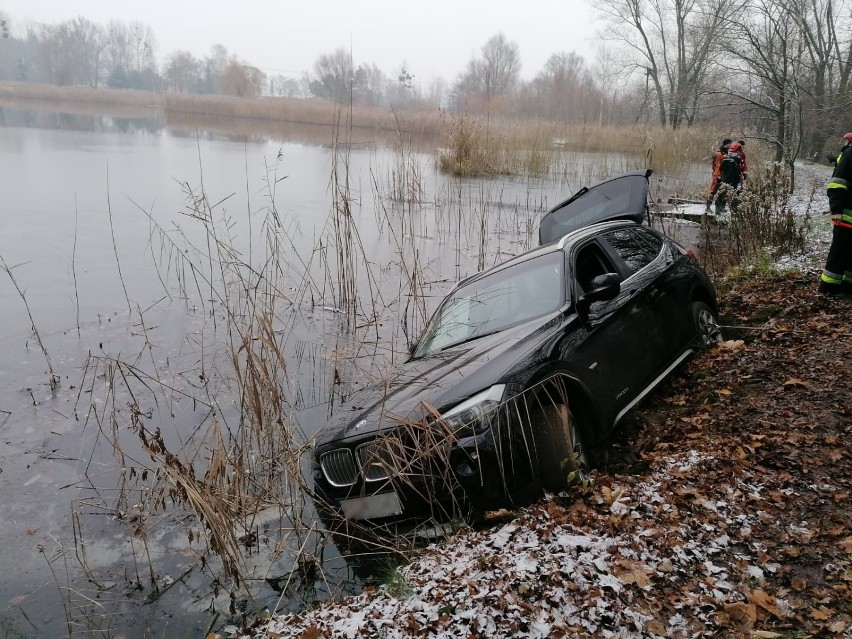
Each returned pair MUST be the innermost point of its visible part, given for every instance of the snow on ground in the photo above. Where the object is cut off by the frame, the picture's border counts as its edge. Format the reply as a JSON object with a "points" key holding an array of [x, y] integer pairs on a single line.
{"points": [[539, 576], [650, 556]]}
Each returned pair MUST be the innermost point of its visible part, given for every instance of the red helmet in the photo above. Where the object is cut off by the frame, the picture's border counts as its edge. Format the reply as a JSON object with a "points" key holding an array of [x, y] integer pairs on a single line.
{"points": [[736, 146], [848, 137]]}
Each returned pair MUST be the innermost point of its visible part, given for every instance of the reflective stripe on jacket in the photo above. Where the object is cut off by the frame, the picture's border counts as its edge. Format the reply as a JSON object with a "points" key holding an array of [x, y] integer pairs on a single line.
{"points": [[839, 195]]}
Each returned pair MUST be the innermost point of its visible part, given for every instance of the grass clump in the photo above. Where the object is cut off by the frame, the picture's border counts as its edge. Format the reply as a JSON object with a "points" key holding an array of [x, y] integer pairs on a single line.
{"points": [[467, 151], [396, 584]]}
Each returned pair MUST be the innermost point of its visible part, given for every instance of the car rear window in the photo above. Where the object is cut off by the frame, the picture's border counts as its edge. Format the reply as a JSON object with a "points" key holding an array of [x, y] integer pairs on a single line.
{"points": [[638, 247]]}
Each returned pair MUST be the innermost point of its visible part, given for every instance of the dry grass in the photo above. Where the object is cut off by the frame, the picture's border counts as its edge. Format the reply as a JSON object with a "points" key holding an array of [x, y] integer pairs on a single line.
{"points": [[762, 223], [476, 146], [258, 116]]}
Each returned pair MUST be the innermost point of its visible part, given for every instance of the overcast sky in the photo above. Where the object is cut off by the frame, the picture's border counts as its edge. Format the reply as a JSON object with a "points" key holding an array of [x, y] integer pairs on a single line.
{"points": [[435, 37]]}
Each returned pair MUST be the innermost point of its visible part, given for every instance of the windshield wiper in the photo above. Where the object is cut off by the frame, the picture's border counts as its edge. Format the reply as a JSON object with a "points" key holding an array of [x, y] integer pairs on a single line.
{"points": [[468, 339]]}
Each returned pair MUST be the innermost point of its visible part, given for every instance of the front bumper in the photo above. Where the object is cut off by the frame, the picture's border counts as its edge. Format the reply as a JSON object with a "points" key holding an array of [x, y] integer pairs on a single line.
{"points": [[464, 479]]}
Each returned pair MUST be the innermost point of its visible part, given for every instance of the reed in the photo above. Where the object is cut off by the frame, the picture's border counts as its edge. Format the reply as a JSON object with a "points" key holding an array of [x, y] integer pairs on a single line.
{"points": [[53, 378], [475, 146]]}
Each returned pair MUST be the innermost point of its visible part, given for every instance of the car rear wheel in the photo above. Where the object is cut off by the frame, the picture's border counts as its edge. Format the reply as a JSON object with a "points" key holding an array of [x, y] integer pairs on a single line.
{"points": [[562, 460], [707, 326]]}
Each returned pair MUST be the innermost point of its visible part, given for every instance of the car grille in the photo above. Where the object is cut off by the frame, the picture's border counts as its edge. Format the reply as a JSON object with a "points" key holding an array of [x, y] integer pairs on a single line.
{"points": [[339, 468], [376, 457], [372, 459]]}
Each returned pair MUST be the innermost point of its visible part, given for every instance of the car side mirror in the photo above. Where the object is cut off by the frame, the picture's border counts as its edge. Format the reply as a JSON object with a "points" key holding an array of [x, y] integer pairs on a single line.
{"points": [[603, 287]]}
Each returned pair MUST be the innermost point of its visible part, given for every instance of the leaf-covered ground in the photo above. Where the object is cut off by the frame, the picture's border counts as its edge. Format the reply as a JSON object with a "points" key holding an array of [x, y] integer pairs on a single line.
{"points": [[723, 511]]}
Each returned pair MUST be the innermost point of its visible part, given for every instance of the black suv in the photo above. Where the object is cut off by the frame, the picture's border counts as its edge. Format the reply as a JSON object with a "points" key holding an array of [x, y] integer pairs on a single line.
{"points": [[523, 368]]}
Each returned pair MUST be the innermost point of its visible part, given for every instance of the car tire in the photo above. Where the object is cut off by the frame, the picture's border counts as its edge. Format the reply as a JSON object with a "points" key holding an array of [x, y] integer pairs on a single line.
{"points": [[707, 329], [562, 460]]}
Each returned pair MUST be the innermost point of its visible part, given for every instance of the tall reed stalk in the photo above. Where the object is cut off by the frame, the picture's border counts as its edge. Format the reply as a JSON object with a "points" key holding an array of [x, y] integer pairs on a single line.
{"points": [[53, 378]]}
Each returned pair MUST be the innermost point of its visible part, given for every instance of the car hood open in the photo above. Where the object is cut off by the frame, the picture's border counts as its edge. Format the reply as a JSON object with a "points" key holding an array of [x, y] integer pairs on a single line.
{"points": [[620, 198], [440, 380]]}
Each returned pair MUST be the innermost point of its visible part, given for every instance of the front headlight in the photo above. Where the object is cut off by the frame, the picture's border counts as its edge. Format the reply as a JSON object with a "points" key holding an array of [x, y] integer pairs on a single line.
{"points": [[474, 414]]}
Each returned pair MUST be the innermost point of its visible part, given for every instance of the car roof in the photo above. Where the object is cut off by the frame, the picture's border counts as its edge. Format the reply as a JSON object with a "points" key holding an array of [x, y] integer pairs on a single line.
{"points": [[621, 197]]}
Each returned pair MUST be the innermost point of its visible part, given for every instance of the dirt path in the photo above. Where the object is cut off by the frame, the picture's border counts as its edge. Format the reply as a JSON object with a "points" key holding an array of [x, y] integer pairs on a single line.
{"points": [[724, 509]]}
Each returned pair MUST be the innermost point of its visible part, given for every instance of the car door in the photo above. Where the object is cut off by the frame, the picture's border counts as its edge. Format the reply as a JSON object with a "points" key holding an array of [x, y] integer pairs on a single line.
{"points": [[650, 268], [611, 350]]}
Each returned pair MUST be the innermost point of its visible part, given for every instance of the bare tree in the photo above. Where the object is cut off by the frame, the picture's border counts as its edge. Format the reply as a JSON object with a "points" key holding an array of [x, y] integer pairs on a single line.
{"points": [[673, 44], [770, 75], [283, 87], [563, 90], [333, 76], [90, 43], [182, 72], [213, 68], [369, 85], [131, 53], [493, 73], [242, 80], [828, 59]]}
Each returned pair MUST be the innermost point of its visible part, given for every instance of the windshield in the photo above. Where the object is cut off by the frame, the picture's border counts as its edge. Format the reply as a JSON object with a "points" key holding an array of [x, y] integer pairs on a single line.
{"points": [[496, 302]]}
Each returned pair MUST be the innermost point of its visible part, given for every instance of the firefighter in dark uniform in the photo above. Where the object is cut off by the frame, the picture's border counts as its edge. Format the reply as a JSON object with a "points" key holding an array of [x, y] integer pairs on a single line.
{"points": [[837, 275]]}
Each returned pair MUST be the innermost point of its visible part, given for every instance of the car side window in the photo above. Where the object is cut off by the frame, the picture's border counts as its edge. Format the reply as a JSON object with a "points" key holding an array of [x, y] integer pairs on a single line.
{"points": [[654, 241], [633, 247], [591, 261]]}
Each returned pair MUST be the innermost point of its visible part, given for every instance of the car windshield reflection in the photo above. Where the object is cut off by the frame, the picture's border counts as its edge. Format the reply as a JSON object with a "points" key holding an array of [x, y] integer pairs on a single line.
{"points": [[494, 303]]}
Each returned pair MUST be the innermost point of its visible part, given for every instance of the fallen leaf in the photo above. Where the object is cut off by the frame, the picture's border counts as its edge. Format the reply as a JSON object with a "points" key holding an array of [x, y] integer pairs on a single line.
{"points": [[822, 613], [656, 628], [742, 613], [840, 625], [636, 576], [765, 601], [312, 632], [499, 515], [798, 584]]}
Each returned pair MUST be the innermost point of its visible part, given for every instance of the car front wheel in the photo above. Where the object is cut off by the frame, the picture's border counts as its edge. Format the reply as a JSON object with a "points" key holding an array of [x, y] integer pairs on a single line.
{"points": [[707, 326], [562, 460]]}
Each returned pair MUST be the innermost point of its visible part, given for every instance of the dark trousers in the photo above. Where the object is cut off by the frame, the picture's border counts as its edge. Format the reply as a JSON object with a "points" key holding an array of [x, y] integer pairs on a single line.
{"points": [[838, 265], [726, 193]]}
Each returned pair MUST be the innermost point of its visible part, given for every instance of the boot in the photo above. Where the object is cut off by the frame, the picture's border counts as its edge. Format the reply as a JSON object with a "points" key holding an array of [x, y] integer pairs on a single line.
{"points": [[830, 290]]}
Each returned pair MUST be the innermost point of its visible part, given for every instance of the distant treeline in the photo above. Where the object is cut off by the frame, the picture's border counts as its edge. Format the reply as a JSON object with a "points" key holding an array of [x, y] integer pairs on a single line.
{"points": [[774, 70]]}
